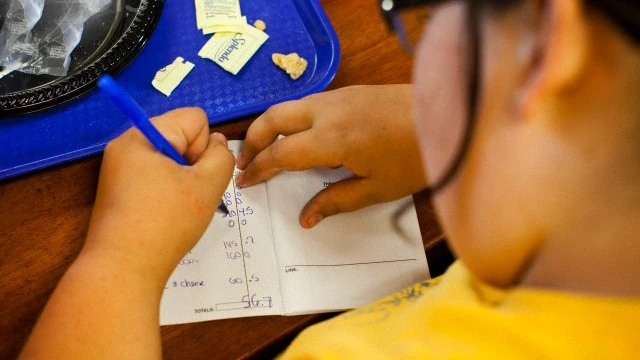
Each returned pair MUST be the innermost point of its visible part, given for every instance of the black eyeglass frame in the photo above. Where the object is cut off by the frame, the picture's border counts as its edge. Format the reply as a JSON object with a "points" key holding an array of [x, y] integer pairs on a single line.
{"points": [[389, 10]]}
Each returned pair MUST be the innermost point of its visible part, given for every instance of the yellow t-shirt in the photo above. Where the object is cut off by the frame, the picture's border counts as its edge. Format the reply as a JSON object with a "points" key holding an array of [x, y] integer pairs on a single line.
{"points": [[457, 317]]}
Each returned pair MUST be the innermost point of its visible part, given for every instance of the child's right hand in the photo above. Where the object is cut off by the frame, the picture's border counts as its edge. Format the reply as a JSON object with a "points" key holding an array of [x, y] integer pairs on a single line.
{"points": [[149, 210], [367, 129]]}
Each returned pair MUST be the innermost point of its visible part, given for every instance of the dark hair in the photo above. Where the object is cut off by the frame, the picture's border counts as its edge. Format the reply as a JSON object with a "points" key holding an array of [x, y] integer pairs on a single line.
{"points": [[623, 13]]}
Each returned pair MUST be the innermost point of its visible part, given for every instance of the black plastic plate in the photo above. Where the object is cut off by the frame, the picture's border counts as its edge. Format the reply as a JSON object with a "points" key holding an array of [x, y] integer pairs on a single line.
{"points": [[110, 40]]}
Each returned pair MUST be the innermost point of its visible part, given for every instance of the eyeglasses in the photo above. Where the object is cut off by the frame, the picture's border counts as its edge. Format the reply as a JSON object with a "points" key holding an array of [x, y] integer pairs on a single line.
{"points": [[407, 18]]}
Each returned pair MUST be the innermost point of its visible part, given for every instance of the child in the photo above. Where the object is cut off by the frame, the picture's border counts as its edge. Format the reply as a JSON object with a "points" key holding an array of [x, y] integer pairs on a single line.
{"points": [[538, 97]]}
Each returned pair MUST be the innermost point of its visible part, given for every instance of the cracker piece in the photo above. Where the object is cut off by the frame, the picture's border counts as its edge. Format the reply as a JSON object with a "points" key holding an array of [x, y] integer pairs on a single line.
{"points": [[293, 64]]}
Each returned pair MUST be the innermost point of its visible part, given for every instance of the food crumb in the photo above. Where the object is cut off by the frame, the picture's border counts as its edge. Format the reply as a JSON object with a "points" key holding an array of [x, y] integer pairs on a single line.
{"points": [[260, 25], [293, 64]]}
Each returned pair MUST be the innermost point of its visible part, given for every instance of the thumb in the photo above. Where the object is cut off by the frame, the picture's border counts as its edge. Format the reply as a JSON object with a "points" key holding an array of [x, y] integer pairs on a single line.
{"points": [[344, 196], [186, 129], [216, 163]]}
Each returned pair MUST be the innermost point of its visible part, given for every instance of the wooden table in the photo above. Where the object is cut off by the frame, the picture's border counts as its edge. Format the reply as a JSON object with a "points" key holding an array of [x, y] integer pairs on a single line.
{"points": [[44, 217]]}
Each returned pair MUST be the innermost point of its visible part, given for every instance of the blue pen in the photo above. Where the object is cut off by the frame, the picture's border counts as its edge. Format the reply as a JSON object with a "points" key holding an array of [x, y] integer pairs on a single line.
{"points": [[140, 120]]}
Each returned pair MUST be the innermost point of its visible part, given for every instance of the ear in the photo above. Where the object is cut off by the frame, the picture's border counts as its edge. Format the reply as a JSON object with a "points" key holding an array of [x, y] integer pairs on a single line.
{"points": [[558, 54]]}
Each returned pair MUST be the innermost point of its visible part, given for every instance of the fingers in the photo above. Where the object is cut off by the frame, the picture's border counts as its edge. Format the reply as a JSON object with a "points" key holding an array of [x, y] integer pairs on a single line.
{"points": [[215, 163], [283, 119], [294, 153], [186, 129], [344, 196]]}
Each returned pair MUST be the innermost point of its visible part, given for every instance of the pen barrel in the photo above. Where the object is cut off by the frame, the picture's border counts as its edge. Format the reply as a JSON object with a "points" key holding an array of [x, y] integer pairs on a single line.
{"points": [[139, 118]]}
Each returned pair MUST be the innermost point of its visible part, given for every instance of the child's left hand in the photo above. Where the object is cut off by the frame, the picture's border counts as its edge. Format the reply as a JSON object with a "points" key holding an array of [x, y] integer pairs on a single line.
{"points": [[150, 211]]}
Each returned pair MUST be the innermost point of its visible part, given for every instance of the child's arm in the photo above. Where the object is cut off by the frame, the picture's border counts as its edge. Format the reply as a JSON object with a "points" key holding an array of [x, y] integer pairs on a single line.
{"points": [[367, 129], [149, 212]]}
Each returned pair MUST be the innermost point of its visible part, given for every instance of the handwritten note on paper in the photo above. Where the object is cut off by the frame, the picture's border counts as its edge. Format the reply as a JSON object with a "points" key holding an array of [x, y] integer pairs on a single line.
{"points": [[259, 261], [231, 272]]}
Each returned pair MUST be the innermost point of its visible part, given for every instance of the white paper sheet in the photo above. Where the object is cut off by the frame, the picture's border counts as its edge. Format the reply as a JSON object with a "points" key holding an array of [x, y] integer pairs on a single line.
{"points": [[260, 261]]}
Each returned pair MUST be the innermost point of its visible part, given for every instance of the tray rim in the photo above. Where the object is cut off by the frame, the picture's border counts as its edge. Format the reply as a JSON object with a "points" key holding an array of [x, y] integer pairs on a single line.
{"points": [[318, 86]]}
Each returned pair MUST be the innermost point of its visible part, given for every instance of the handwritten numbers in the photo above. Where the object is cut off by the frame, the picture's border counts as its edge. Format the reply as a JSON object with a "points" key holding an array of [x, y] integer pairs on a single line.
{"points": [[230, 244], [232, 214], [227, 198], [239, 248], [234, 255], [245, 211], [256, 301]]}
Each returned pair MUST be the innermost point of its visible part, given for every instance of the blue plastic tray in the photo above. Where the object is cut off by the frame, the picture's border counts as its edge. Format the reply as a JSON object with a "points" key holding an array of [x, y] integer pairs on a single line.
{"points": [[83, 127]]}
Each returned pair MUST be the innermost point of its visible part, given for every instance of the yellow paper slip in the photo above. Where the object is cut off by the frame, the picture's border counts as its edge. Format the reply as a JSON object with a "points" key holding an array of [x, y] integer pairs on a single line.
{"points": [[233, 50], [235, 28], [169, 77], [217, 12]]}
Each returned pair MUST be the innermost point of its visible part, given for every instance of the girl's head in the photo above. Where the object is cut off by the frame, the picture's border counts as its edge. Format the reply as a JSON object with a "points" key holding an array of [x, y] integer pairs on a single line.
{"points": [[554, 152]]}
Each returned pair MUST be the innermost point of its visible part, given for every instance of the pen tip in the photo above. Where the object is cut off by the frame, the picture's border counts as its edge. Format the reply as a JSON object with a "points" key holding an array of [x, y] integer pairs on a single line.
{"points": [[223, 208]]}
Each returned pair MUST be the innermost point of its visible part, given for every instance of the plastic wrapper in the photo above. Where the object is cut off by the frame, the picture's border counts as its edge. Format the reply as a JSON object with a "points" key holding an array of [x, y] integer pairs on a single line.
{"points": [[38, 36]]}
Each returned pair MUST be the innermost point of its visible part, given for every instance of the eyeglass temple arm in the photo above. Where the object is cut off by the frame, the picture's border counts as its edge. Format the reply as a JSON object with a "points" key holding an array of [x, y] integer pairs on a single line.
{"points": [[389, 7]]}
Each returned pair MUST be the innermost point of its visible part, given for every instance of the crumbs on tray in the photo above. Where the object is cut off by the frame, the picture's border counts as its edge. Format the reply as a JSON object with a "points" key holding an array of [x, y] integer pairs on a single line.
{"points": [[293, 64], [260, 25], [235, 41], [169, 77]]}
